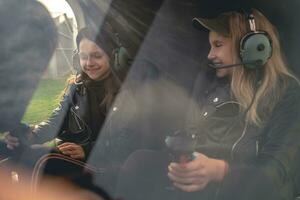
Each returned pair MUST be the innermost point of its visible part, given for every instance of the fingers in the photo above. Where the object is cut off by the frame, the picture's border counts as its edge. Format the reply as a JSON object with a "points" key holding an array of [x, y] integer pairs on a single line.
{"points": [[191, 176], [67, 146], [191, 187], [77, 156], [190, 181], [71, 149], [185, 179], [176, 170], [11, 142], [193, 165]]}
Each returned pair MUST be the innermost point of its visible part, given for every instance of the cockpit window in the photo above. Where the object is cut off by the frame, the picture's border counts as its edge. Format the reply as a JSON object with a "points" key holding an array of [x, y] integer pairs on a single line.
{"points": [[126, 99]]}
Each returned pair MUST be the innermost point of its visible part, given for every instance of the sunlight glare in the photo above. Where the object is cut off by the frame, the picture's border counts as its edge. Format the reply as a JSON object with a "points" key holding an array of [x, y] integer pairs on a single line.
{"points": [[58, 7]]}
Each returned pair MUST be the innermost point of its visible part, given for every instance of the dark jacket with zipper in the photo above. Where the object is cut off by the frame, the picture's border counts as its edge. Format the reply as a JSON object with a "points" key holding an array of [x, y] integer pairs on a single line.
{"points": [[263, 161], [78, 118]]}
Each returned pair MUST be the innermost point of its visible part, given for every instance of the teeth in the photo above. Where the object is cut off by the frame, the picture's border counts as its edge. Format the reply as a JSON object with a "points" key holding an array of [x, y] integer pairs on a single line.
{"points": [[217, 64]]}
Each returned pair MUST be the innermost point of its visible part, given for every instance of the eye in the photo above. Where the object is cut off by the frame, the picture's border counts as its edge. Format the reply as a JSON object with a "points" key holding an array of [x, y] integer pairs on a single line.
{"points": [[97, 56], [83, 56], [218, 44]]}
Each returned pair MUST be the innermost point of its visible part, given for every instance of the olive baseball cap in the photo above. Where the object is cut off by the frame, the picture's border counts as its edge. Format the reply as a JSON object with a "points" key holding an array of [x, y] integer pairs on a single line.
{"points": [[219, 24]]}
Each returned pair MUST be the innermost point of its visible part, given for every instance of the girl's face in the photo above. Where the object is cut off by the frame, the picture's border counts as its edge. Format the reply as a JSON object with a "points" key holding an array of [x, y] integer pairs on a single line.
{"points": [[221, 53], [93, 60]]}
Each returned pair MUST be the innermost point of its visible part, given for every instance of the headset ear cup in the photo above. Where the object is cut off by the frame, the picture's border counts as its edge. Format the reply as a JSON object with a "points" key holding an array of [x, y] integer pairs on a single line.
{"points": [[76, 61], [122, 59], [256, 49]]}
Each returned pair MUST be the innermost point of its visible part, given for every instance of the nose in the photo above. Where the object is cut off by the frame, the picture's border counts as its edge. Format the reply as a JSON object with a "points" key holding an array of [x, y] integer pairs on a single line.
{"points": [[90, 60], [211, 54]]}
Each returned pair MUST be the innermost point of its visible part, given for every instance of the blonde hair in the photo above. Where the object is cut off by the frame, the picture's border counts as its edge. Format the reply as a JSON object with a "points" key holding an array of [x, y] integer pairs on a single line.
{"points": [[258, 102]]}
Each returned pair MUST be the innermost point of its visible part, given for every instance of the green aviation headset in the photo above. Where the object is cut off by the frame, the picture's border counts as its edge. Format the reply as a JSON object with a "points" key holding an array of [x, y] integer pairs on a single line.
{"points": [[120, 55], [255, 46]]}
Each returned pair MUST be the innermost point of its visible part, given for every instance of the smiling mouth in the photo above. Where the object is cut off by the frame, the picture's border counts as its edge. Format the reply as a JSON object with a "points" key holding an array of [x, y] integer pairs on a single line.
{"points": [[93, 69], [217, 63], [214, 64]]}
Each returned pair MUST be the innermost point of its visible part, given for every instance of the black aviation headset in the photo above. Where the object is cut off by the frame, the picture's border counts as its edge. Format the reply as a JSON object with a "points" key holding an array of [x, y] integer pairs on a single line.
{"points": [[120, 58]]}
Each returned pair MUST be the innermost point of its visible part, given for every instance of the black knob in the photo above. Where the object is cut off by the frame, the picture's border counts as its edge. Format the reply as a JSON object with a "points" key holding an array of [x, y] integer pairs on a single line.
{"points": [[260, 47]]}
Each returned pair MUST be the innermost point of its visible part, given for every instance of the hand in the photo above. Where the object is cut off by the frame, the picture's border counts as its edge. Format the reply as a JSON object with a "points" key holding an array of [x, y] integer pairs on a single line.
{"points": [[196, 174], [11, 141], [71, 149]]}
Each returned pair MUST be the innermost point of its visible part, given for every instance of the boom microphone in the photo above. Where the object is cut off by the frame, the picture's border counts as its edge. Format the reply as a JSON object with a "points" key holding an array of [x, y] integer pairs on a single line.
{"points": [[257, 63]]}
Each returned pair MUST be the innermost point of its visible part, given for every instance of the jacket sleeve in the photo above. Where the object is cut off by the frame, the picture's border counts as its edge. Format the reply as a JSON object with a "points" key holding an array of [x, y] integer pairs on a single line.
{"points": [[87, 148], [50, 128], [272, 175]]}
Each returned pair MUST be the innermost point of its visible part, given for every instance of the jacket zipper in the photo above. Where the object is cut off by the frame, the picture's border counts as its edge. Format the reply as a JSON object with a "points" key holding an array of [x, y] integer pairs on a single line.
{"points": [[76, 118], [77, 122], [239, 139]]}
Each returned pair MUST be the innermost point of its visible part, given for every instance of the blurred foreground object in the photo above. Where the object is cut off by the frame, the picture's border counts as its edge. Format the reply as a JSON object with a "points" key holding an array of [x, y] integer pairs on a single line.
{"points": [[49, 189], [28, 40]]}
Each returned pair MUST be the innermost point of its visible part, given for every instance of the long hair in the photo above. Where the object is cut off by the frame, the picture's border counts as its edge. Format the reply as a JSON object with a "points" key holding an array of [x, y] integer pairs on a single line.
{"points": [[259, 99], [104, 39]]}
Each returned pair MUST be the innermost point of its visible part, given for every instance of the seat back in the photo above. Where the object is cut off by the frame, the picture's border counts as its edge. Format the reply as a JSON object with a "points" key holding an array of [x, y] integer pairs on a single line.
{"points": [[59, 165]]}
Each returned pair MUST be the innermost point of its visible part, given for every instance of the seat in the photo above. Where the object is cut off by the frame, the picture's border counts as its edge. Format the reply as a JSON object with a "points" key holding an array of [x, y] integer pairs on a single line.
{"points": [[62, 166]]}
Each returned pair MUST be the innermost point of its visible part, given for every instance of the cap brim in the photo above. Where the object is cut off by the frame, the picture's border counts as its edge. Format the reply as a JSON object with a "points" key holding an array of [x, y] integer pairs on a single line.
{"points": [[199, 23], [219, 24]]}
